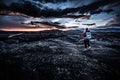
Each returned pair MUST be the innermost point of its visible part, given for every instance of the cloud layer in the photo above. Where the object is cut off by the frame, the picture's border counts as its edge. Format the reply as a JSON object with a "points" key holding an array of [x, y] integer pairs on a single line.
{"points": [[58, 8]]}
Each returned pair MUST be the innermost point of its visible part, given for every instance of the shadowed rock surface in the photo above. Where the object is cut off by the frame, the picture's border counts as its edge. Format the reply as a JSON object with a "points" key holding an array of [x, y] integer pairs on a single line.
{"points": [[57, 55]]}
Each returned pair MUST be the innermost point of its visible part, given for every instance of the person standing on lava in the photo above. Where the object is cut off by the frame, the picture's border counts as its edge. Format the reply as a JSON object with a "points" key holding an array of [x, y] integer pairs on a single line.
{"points": [[86, 36]]}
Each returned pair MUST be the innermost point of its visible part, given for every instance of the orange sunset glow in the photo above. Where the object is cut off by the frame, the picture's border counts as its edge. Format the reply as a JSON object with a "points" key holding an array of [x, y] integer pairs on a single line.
{"points": [[32, 29]]}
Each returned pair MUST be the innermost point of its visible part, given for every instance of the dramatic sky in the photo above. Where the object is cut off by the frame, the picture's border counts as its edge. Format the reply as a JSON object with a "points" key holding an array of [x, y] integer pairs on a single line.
{"points": [[60, 7], [66, 12]]}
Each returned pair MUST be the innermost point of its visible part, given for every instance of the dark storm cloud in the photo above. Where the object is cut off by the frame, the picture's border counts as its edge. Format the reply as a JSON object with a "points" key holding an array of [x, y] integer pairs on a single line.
{"points": [[96, 5], [8, 2], [54, 3], [10, 21], [114, 21], [94, 8], [56, 8]]}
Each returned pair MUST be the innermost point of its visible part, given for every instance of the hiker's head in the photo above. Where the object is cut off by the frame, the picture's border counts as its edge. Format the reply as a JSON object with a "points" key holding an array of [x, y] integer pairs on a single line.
{"points": [[86, 29]]}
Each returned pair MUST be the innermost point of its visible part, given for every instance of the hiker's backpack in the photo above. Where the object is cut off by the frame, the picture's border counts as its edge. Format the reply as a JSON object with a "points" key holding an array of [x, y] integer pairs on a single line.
{"points": [[88, 35]]}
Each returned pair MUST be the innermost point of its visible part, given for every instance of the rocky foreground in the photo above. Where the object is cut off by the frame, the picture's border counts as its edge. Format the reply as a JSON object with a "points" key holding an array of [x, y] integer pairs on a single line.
{"points": [[57, 55]]}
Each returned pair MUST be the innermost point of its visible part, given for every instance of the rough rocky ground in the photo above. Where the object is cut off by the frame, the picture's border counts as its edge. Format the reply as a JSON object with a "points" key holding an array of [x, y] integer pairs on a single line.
{"points": [[57, 55]]}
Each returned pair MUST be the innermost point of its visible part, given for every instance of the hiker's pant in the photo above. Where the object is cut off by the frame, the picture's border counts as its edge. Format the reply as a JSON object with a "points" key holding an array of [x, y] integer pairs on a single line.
{"points": [[87, 43]]}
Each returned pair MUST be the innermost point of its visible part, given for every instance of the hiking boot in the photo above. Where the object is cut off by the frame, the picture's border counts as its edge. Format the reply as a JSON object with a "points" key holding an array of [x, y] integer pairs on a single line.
{"points": [[89, 47], [85, 49]]}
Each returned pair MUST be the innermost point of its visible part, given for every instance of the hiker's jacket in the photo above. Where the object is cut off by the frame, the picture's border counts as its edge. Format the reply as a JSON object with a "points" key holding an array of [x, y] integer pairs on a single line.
{"points": [[84, 34]]}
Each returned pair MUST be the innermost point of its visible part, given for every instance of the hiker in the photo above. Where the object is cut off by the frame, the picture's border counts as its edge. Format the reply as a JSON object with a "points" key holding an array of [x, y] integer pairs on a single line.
{"points": [[86, 36]]}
